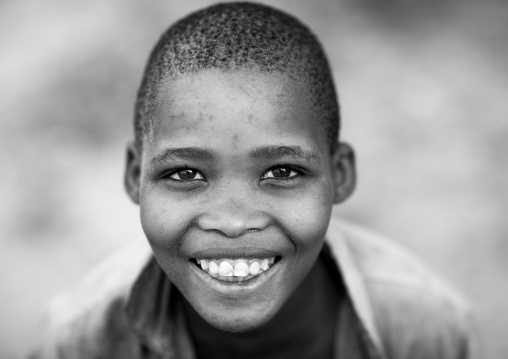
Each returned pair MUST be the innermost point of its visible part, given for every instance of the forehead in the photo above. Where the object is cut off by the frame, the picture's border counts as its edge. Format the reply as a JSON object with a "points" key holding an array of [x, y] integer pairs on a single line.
{"points": [[241, 104]]}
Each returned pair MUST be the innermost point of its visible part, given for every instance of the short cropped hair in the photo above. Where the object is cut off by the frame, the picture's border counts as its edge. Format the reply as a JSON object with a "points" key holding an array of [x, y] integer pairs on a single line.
{"points": [[234, 36]]}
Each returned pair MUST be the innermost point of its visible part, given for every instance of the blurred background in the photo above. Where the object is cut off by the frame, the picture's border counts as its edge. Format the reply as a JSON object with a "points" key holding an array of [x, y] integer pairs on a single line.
{"points": [[424, 93]]}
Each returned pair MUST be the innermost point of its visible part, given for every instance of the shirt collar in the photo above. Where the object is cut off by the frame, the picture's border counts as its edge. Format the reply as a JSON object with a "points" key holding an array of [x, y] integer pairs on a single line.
{"points": [[157, 319], [355, 284], [155, 316]]}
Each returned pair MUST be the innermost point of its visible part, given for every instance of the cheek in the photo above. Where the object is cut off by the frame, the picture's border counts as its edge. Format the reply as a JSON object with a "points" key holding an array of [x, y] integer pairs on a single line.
{"points": [[306, 217], [163, 221]]}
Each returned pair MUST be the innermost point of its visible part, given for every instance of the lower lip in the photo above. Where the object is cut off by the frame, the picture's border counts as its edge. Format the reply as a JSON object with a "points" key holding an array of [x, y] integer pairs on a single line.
{"points": [[240, 285]]}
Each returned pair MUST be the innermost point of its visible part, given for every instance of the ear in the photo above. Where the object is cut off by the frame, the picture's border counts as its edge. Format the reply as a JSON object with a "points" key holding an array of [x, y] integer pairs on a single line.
{"points": [[132, 175], [344, 172]]}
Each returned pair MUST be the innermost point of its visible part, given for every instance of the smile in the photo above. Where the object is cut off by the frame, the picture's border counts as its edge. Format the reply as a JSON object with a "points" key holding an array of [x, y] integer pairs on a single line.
{"points": [[235, 270]]}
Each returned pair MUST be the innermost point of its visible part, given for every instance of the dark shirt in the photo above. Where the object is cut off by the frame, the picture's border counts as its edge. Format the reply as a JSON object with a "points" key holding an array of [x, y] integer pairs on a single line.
{"points": [[394, 307]]}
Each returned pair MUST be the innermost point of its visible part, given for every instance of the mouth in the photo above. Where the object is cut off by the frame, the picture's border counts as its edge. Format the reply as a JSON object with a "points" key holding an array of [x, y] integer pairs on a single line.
{"points": [[235, 270]]}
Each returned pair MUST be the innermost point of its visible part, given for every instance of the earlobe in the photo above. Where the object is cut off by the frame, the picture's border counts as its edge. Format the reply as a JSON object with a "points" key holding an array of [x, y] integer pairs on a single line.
{"points": [[343, 162], [132, 175]]}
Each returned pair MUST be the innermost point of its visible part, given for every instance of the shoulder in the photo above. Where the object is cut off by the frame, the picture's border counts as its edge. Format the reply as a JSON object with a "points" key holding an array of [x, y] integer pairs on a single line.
{"points": [[416, 312], [83, 322]]}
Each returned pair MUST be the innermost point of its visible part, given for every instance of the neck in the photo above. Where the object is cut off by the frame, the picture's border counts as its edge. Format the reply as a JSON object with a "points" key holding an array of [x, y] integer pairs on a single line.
{"points": [[305, 324]]}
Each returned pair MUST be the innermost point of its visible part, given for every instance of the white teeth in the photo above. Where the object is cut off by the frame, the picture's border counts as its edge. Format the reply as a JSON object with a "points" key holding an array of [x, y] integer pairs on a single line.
{"points": [[264, 264], [225, 269], [213, 267], [254, 268], [241, 270], [237, 268], [204, 264]]}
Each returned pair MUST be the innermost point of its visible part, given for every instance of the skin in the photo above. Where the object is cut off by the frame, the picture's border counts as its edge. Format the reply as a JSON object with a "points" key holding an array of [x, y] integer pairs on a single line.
{"points": [[303, 328], [234, 134]]}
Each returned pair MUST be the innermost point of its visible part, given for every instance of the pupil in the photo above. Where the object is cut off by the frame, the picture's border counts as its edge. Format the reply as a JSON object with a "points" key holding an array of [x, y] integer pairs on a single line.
{"points": [[187, 174], [281, 172]]}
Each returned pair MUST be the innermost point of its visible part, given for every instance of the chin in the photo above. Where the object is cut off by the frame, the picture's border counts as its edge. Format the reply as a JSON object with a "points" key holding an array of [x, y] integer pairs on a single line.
{"points": [[240, 324], [240, 320]]}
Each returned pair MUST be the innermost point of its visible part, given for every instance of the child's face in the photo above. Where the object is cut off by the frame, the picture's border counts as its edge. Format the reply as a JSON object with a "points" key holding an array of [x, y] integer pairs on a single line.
{"points": [[237, 170]]}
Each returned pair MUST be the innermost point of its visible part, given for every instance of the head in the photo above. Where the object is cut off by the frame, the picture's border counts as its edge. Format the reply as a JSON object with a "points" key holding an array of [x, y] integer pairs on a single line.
{"points": [[236, 161]]}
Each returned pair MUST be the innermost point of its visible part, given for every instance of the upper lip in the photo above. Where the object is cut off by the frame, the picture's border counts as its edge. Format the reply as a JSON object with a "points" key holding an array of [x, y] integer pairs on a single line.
{"points": [[234, 253]]}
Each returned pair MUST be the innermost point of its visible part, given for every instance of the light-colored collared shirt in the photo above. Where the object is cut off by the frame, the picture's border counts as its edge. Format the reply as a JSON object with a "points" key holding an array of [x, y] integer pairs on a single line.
{"points": [[395, 308]]}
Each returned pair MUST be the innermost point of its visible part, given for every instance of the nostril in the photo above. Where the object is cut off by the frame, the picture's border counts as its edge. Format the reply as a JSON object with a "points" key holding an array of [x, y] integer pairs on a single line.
{"points": [[232, 223]]}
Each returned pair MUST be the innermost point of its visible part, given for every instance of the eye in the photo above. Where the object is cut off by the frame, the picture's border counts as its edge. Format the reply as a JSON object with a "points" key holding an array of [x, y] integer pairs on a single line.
{"points": [[186, 174], [281, 172]]}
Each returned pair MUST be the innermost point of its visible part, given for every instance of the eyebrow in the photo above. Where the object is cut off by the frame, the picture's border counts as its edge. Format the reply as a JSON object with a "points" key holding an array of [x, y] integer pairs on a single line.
{"points": [[296, 152], [267, 152], [182, 153]]}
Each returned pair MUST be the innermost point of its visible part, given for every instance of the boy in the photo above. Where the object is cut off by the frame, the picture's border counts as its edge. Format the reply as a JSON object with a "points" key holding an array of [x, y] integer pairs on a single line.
{"points": [[236, 167]]}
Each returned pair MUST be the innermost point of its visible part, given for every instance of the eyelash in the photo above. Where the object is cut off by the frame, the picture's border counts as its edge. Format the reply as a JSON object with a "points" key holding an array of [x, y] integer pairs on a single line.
{"points": [[299, 172], [175, 171]]}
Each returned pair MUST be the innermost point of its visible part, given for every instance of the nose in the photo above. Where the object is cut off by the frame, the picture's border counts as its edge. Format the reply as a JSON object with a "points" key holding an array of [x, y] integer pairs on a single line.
{"points": [[233, 219]]}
